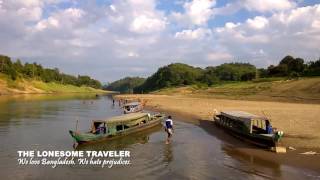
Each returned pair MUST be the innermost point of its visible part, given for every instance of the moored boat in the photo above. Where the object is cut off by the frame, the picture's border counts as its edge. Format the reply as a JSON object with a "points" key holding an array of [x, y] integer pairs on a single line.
{"points": [[132, 107], [249, 127], [117, 126]]}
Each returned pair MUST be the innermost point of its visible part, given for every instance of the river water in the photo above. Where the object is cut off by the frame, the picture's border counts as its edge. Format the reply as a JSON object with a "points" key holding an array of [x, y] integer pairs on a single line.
{"points": [[41, 122]]}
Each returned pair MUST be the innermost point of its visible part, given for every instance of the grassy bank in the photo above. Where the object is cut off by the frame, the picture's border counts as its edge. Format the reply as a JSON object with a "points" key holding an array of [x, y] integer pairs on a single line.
{"points": [[304, 90], [26, 86]]}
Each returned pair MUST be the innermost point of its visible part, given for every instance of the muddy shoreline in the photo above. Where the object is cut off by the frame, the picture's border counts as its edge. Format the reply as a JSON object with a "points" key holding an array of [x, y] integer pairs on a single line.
{"points": [[248, 151], [235, 146], [299, 121]]}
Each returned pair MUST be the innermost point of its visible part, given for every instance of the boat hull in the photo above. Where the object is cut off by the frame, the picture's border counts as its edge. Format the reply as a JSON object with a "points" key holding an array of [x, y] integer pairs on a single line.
{"points": [[84, 138], [256, 139]]}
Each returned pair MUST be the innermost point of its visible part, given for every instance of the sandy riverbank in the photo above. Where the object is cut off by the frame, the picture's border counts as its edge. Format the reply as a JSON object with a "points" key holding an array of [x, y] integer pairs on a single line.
{"points": [[300, 122]]}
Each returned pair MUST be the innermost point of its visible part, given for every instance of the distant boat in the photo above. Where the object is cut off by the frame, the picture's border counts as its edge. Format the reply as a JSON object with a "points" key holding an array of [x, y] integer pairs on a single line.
{"points": [[249, 127], [117, 126], [132, 107]]}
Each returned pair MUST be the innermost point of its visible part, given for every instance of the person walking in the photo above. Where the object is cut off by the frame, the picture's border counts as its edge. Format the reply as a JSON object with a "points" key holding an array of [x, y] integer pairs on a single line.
{"points": [[169, 128]]}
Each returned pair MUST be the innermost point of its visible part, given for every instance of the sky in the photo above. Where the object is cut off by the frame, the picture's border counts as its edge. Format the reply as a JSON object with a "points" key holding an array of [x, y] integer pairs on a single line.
{"points": [[112, 39]]}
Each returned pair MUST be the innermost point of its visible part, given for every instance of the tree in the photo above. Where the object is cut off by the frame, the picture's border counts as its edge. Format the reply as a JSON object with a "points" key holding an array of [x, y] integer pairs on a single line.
{"points": [[236, 71], [210, 76], [294, 65], [313, 68], [176, 74], [263, 73], [36, 71], [18, 66], [28, 70], [278, 71], [125, 85]]}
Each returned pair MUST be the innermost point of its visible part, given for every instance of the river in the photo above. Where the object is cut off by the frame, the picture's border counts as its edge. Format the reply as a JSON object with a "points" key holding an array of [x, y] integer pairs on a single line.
{"points": [[41, 122]]}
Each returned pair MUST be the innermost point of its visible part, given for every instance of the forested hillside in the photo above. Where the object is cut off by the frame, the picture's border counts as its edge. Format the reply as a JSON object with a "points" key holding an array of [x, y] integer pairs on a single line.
{"points": [[125, 85], [178, 74], [17, 70]]}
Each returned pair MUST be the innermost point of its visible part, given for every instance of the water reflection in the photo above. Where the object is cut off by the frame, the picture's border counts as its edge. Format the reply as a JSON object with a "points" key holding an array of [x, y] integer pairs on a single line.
{"points": [[252, 164], [167, 154], [20, 107], [48, 97]]}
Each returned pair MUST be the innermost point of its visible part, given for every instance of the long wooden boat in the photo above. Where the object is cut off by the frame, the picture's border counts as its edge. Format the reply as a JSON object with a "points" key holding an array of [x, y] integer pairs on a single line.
{"points": [[249, 127], [132, 107], [117, 126]]}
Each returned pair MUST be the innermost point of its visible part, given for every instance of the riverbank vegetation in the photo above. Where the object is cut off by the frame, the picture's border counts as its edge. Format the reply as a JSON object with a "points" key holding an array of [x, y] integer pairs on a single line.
{"points": [[16, 70], [32, 86], [180, 75]]}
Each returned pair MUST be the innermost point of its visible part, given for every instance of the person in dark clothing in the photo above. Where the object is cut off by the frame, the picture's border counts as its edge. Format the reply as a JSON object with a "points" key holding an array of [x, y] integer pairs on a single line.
{"points": [[169, 128], [269, 129]]}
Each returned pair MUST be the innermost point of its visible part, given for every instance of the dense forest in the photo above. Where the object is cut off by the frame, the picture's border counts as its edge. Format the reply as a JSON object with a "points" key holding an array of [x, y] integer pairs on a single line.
{"points": [[17, 69], [125, 85], [178, 74]]}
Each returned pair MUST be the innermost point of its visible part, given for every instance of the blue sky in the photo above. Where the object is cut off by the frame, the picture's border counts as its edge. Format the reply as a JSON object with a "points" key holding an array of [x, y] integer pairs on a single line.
{"points": [[111, 39]]}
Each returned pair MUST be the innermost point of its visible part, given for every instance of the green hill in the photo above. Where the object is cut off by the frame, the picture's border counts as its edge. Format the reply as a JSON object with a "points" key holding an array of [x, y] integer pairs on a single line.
{"points": [[29, 86], [125, 85]]}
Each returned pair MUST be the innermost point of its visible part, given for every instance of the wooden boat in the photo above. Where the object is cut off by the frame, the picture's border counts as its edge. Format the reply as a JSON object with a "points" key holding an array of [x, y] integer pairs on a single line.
{"points": [[132, 107], [141, 137], [249, 127], [117, 126]]}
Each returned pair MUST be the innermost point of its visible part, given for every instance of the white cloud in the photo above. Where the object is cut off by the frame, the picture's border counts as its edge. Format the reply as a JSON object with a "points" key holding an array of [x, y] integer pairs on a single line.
{"points": [[258, 22], [26, 3], [113, 8], [68, 18], [137, 16], [188, 34], [29, 10], [144, 24], [74, 12], [50, 22], [80, 43], [295, 32], [231, 25], [130, 33], [316, 24], [269, 5], [199, 11], [219, 56], [133, 54], [196, 13], [260, 6], [31, 14]]}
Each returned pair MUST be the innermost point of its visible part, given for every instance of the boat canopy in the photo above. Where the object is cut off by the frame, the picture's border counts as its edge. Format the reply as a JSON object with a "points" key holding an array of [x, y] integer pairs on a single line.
{"points": [[248, 119], [126, 118], [242, 116], [132, 104]]}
